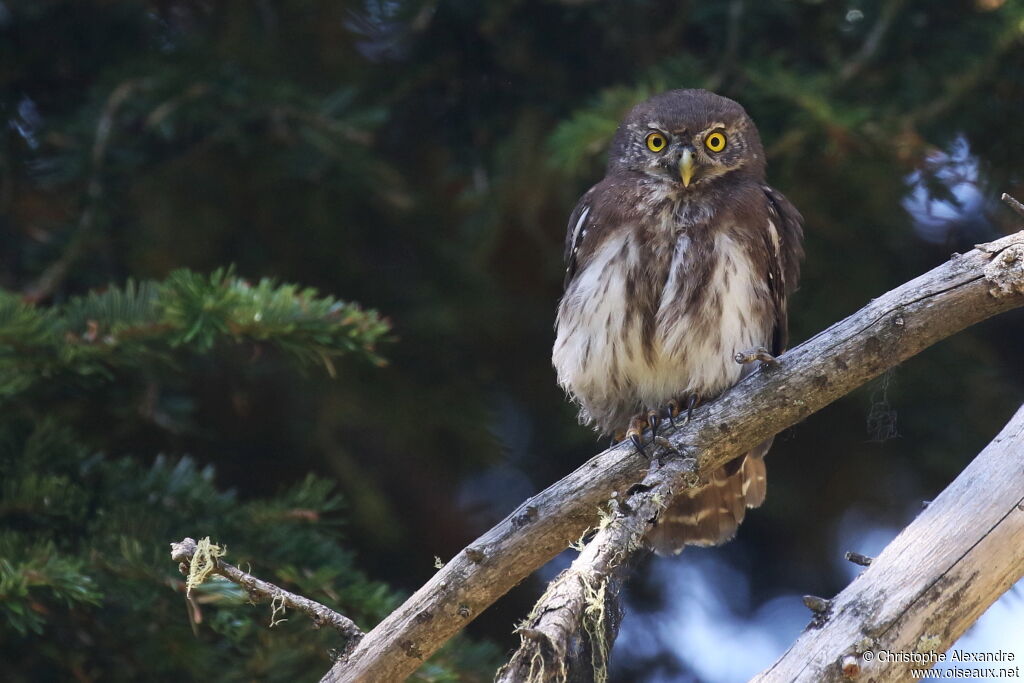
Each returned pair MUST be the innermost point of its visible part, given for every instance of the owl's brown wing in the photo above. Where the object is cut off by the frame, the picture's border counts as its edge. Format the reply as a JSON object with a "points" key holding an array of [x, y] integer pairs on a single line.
{"points": [[579, 222], [784, 241]]}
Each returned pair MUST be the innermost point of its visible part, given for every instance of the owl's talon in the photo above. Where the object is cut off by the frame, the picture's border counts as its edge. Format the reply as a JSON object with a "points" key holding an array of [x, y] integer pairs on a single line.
{"points": [[653, 420], [760, 353], [691, 403], [635, 433], [673, 409]]}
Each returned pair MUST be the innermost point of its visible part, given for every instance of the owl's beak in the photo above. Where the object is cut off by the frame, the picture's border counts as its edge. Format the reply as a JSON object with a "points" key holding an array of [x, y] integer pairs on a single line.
{"points": [[686, 166]]}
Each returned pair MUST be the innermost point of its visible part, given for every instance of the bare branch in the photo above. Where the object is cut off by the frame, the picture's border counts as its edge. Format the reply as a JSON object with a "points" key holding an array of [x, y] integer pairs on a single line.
{"points": [[1013, 204], [857, 558], [965, 290], [260, 590], [577, 604], [930, 584]]}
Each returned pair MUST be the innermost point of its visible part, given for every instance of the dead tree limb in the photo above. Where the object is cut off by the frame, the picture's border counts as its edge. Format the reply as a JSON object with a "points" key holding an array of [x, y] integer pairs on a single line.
{"points": [[1013, 204], [929, 585], [571, 619], [259, 590], [963, 291]]}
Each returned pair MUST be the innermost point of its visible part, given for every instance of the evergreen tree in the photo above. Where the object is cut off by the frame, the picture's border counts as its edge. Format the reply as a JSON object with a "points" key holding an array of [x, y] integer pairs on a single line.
{"points": [[86, 588]]}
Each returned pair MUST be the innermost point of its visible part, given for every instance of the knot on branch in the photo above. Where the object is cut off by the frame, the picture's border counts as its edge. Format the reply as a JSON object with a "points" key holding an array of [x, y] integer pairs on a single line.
{"points": [[183, 550], [1006, 270]]}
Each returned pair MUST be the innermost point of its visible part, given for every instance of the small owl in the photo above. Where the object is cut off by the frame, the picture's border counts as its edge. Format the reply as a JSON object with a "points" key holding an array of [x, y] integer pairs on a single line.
{"points": [[678, 260]]}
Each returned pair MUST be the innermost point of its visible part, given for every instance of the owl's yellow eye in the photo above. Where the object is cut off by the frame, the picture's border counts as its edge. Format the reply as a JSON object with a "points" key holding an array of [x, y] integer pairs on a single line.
{"points": [[656, 142], [715, 142]]}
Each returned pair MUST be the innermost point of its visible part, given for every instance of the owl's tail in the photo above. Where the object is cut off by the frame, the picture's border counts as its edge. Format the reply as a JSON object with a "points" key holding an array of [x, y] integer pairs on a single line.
{"points": [[711, 515]]}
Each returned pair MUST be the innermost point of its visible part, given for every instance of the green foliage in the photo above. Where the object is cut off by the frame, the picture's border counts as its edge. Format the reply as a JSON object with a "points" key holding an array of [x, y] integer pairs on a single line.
{"points": [[127, 328], [88, 554], [86, 586], [36, 580]]}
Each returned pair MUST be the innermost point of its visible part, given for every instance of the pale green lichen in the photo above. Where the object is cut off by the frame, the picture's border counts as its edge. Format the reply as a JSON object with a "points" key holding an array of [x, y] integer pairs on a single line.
{"points": [[595, 627], [277, 606], [203, 562], [928, 643]]}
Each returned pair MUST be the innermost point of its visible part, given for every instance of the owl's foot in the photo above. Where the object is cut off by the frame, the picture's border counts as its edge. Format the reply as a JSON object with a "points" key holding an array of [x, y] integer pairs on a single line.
{"points": [[652, 420], [760, 353], [635, 432], [676, 406]]}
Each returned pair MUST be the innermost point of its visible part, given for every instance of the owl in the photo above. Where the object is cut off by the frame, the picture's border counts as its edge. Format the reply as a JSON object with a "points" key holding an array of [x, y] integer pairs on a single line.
{"points": [[679, 259]]}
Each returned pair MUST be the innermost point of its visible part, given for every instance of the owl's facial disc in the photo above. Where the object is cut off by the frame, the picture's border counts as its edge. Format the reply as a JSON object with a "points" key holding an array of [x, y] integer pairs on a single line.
{"points": [[722, 142]]}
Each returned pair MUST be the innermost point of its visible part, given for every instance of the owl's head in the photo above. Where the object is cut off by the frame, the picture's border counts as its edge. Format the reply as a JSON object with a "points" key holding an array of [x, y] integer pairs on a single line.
{"points": [[692, 138]]}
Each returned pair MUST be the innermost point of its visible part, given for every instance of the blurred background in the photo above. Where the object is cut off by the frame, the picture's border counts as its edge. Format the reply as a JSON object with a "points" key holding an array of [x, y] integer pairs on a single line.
{"points": [[421, 157]]}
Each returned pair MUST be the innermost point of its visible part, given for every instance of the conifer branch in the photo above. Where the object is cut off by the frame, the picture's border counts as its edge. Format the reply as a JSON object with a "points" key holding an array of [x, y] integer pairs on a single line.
{"points": [[148, 322], [263, 591]]}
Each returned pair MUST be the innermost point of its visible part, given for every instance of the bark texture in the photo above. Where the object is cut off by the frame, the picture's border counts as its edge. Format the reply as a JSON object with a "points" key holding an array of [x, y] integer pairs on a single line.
{"points": [[929, 585], [569, 633]]}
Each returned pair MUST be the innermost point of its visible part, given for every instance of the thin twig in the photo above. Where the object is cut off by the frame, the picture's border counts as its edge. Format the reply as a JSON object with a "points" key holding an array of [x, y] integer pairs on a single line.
{"points": [[858, 558], [260, 590], [1013, 204]]}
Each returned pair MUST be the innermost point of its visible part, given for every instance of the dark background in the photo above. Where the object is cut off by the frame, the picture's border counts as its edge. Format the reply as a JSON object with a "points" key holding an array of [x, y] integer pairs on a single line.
{"points": [[422, 157]]}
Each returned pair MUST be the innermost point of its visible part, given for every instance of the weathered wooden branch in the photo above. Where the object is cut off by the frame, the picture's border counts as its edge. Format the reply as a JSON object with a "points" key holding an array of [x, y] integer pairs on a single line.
{"points": [[1013, 204], [570, 618], [260, 590], [929, 585], [963, 291]]}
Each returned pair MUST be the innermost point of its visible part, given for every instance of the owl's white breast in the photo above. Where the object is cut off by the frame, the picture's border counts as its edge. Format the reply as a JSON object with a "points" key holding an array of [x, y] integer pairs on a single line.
{"points": [[599, 350]]}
